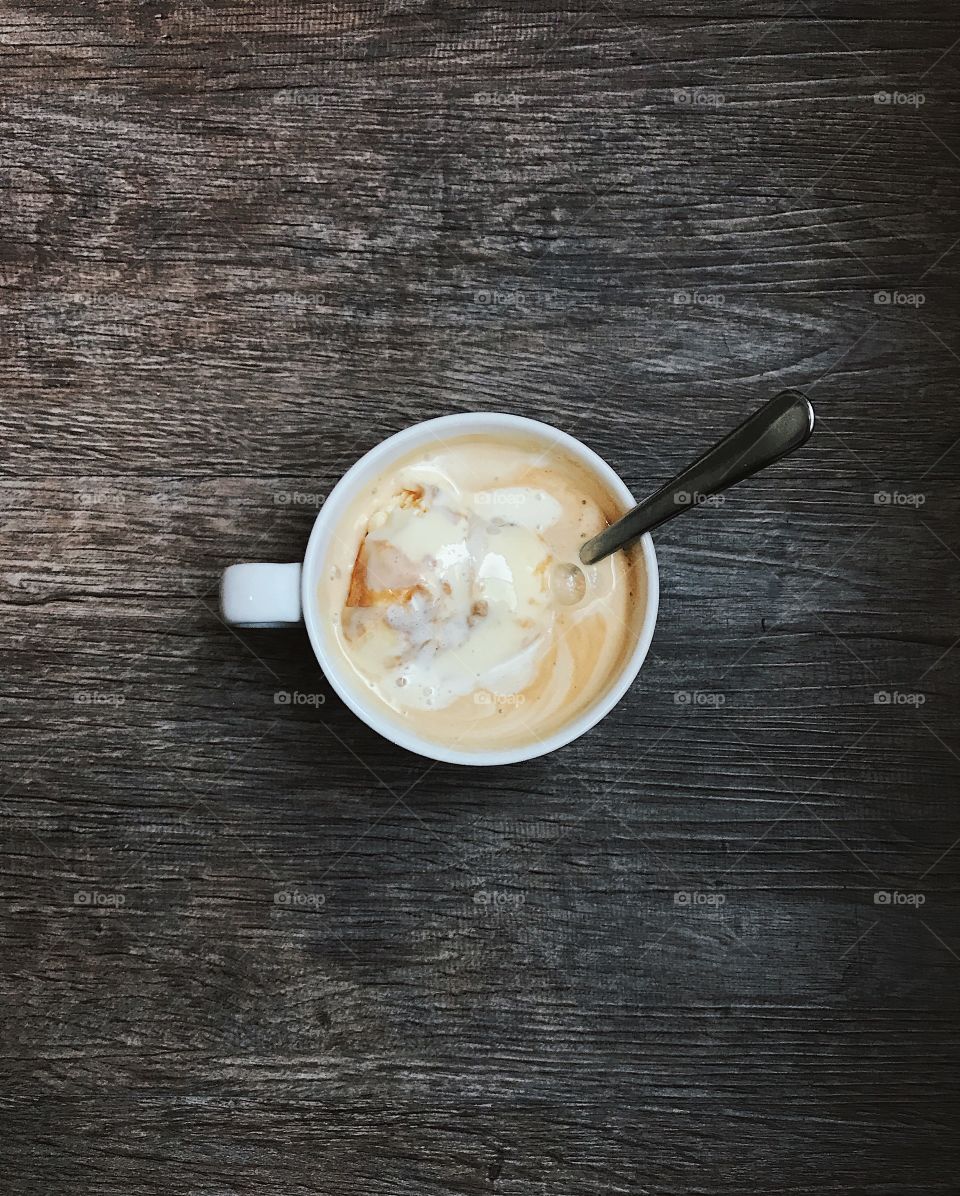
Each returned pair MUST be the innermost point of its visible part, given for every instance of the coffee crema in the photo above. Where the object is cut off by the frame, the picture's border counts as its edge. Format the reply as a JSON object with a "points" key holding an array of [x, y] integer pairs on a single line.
{"points": [[449, 596]]}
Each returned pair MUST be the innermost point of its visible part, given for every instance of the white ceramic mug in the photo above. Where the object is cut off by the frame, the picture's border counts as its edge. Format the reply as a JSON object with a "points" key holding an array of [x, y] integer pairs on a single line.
{"points": [[275, 595]]}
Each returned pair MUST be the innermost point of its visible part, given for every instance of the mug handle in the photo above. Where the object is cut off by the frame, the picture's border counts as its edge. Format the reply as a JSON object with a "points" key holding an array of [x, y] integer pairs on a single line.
{"points": [[261, 595]]}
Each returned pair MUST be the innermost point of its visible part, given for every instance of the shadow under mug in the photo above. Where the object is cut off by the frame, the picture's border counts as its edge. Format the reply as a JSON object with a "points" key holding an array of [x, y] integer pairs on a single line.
{"points": [[267, 595]]}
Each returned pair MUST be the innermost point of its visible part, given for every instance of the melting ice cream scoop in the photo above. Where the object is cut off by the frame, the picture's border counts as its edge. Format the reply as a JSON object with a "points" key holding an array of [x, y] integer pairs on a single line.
{"points": [[453, 593]]}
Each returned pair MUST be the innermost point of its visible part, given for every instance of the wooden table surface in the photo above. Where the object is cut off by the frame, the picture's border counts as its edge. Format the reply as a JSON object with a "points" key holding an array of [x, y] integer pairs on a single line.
{"points": [[250, 947]]}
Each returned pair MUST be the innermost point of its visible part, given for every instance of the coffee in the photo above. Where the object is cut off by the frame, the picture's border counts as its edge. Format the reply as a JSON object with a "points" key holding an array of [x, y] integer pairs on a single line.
{"points": [[453, 595]]}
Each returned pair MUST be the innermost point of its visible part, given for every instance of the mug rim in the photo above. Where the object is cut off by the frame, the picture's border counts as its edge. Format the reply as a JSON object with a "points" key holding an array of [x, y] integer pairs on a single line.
{"points": [[345, 490]]}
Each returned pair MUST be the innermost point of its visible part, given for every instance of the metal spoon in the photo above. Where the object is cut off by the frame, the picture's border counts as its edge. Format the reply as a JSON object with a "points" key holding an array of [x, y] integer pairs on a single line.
{"points": [[776, 429]]}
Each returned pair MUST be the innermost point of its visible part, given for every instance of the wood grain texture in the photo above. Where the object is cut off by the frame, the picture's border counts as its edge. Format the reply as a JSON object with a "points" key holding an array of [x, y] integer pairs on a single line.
{"points": [[249, 947]]}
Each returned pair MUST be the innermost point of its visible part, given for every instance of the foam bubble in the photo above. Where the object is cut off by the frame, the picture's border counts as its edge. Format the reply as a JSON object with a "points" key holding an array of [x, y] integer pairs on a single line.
{"points": [[568, 583]]}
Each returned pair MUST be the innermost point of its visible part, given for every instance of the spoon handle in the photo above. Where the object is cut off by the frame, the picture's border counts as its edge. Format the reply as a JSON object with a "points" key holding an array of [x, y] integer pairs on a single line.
{"points": [[776, 429]]}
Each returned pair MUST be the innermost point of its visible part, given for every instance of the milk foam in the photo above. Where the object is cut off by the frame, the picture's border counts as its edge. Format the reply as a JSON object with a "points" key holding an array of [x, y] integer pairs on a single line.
{"points": [[452, 591]]}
